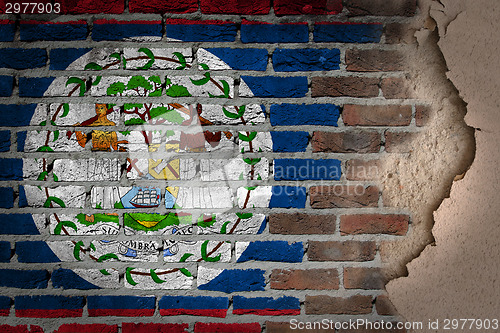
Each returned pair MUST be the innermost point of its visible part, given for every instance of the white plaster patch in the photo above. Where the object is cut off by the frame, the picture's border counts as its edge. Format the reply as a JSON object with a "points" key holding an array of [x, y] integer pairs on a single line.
{"points": [[32, 168], [175, 250], [87, 169], [253, 114], [85, 224], [205, 197], [258, 197], [232, 169], [99, 56], [35, 140], [165, 279], [164, 58], [262, 142], [71, 196], [209, 59], [226, 222], [206, 275]]}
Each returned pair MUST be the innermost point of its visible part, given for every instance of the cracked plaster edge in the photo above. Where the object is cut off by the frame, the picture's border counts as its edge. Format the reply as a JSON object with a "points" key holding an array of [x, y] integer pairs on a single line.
{"points": [[435, 21]]}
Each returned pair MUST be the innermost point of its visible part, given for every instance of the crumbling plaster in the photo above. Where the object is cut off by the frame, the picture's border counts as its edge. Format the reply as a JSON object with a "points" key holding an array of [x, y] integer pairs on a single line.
{"points": [[457, 276]]}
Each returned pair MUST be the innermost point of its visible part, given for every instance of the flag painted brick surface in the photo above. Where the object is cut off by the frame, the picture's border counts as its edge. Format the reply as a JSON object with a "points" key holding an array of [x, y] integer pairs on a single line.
{"points": [[16, 114], [22, 58], [89, 328], [260, 32], [34, 86], [6, 85], [296, 7], [119, 30], [235, 7], [6, 196], [5, 143], [195, 306], [301, 114], [134, 306], [161, 7], [201, 31], [287, 141], [227, 328], [34, 279], [36, 30], [167, 166], [275, 86], [92, 7], [307, 169], [150, 327], [296, 60], [49, 306], [7, 30], [270, 251], [242, 59], [266, 306], [5, 251], [5, 305], [347, 33]]}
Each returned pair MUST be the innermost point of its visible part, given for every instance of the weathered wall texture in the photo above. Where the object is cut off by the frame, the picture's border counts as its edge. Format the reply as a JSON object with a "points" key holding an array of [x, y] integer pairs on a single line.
{"points": [[457, 277], [291, 154]]}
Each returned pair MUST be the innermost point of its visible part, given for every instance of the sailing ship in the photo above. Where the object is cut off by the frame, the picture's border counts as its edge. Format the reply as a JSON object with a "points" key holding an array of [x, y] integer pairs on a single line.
{"points": [[146, 198]]}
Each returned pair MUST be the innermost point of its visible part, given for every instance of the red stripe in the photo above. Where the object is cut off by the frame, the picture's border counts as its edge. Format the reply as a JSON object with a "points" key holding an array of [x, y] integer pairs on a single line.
{"points": [[103, 21], [184, 21], [45, 22], [267, 312], [260, 22], [220, 313], [44, 313], [348, 23], [227, 328], [4, 312], [121, 312], [87, 328], [6, 22]]}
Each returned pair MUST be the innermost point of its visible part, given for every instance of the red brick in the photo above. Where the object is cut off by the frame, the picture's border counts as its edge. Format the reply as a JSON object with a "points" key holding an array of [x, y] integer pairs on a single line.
{"points": [[377, 115], [384, 306], [345, 86], [397, 33], [92, 6], [346, 142], [227, 328], [87, 328], [363, 278], [391, 224], [374, 60], [154, 328], [284, 327], [316, 279], [344, 196], [400, 142], [301, 224], [341, 251], [298, 7], [249, 7], [20, 329], [381, 7], [422, 115], [363, 170], [323, 304], [396, 88], [162, 6]]}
